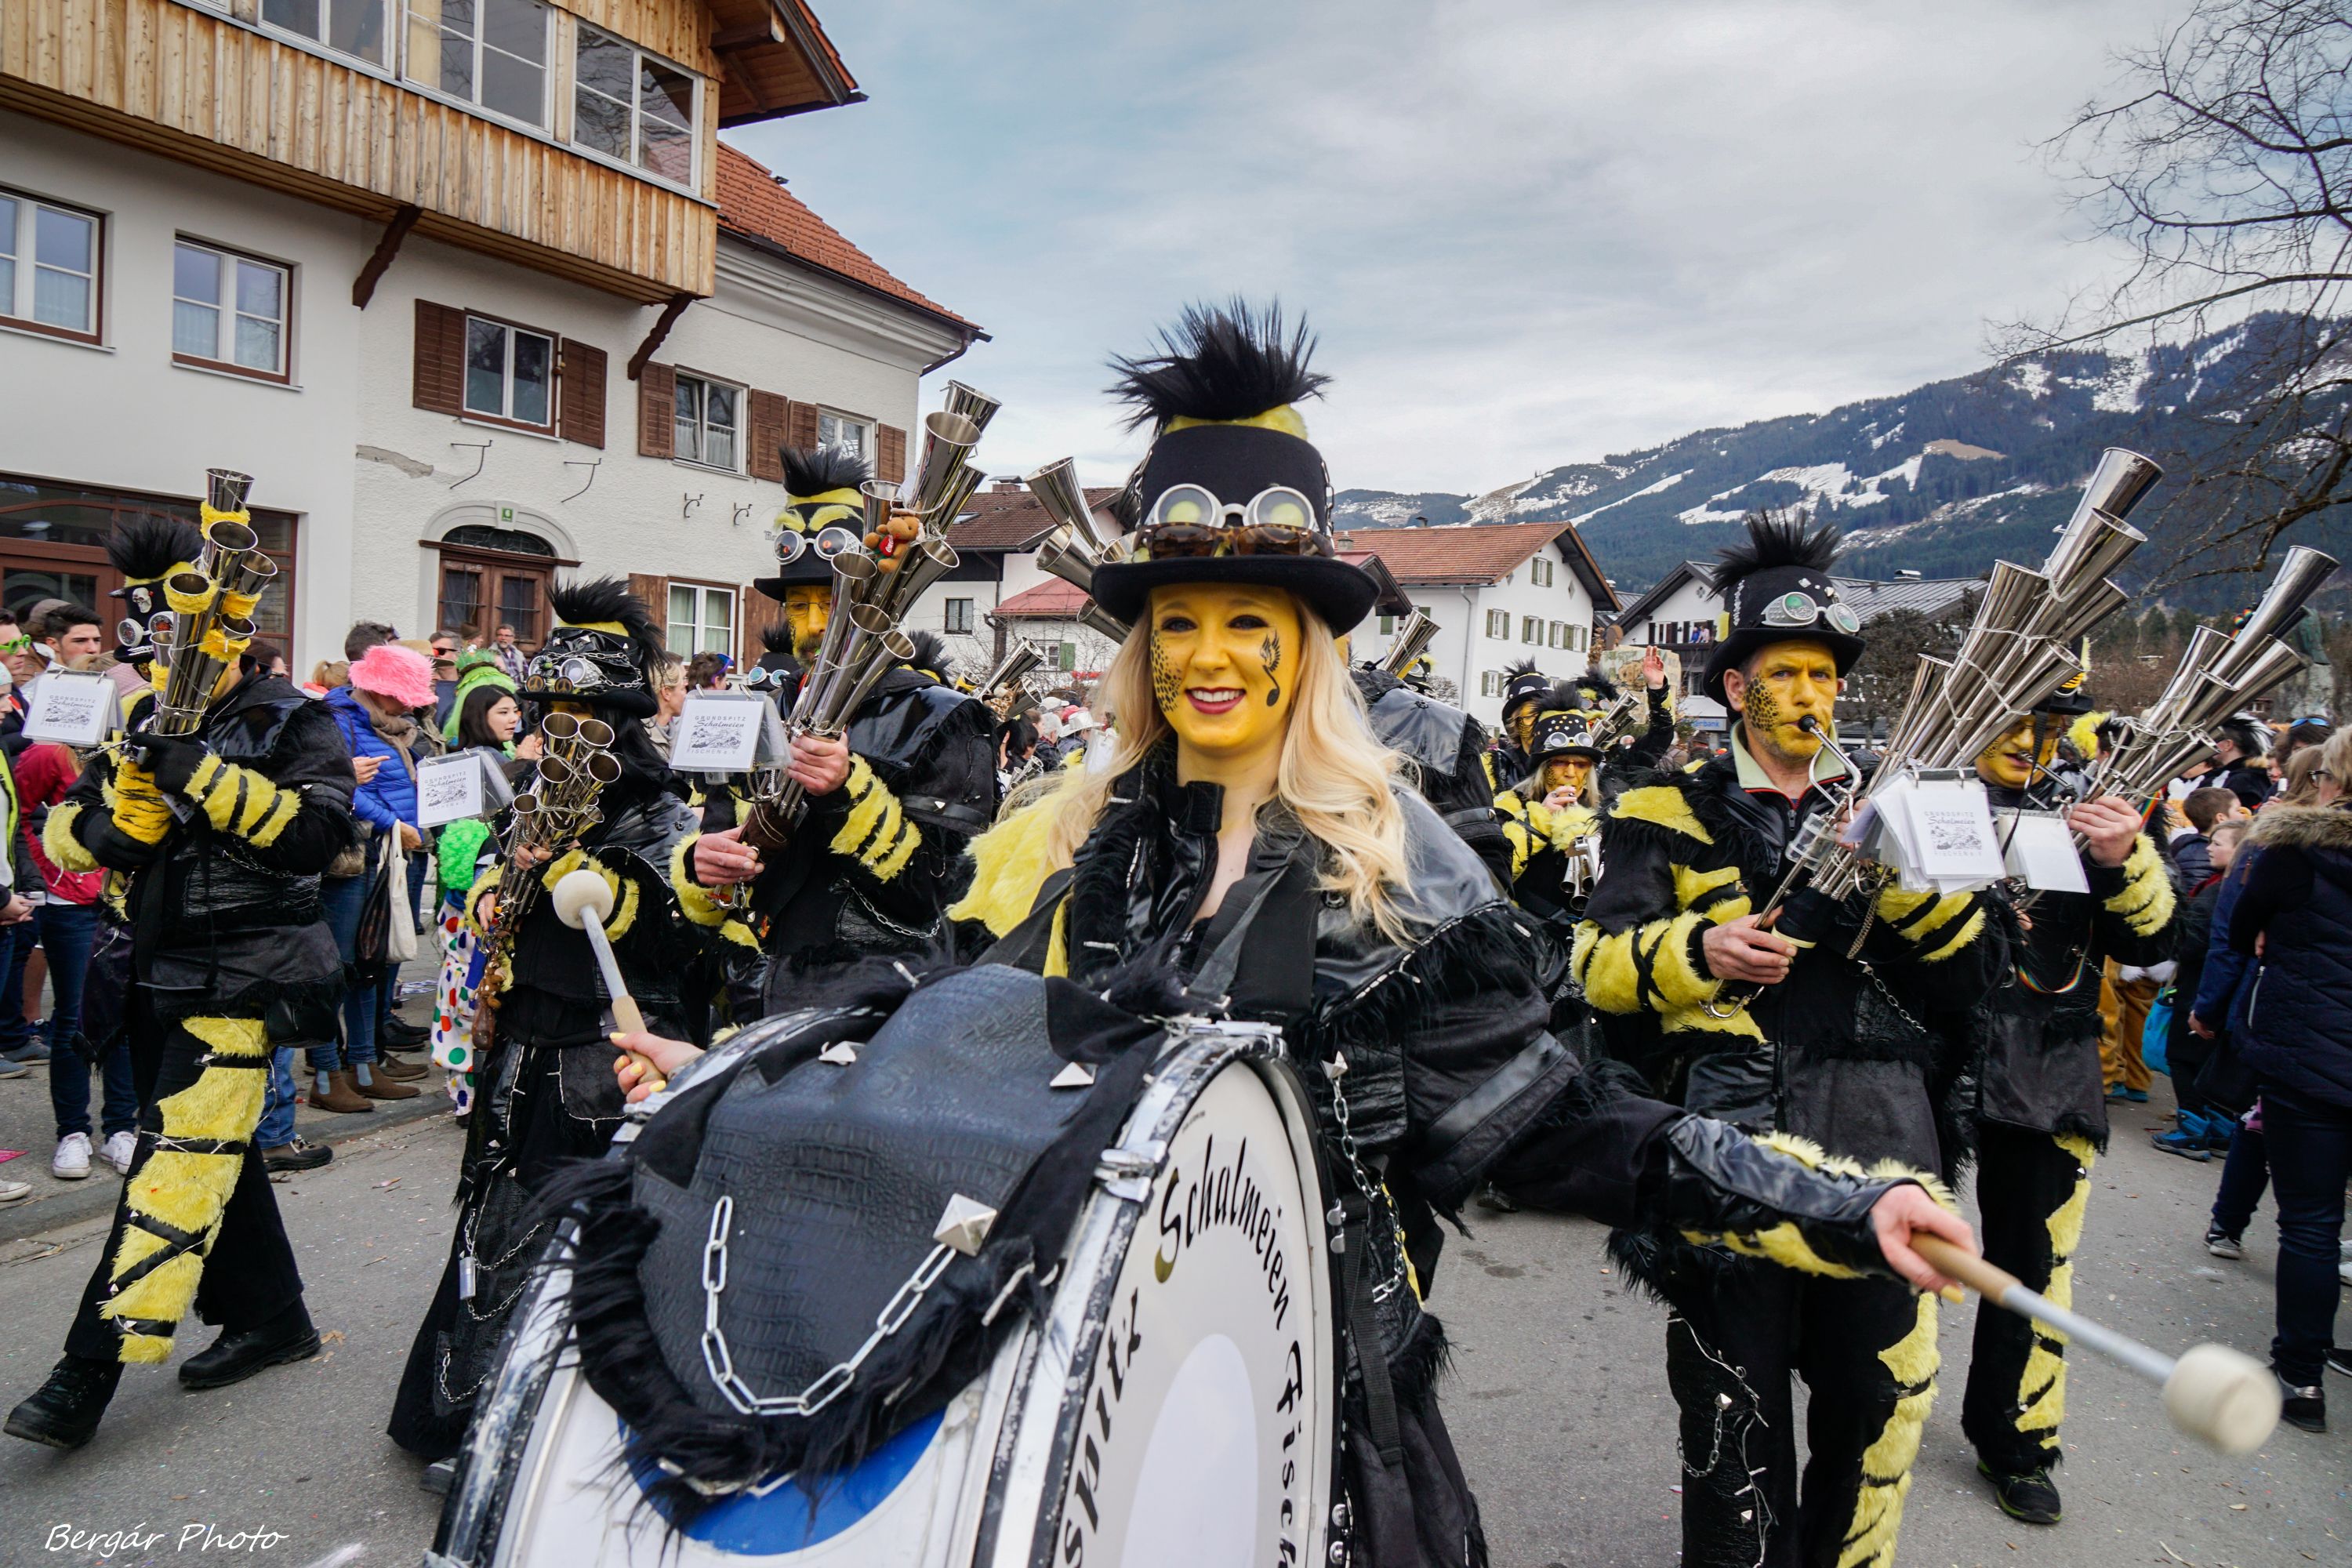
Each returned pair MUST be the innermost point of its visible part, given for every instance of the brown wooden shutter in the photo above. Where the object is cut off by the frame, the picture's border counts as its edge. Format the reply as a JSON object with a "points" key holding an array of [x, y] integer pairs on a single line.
{"points": [[800, 426], [889, 454], [656, 411], [581, 382], [654, 591], [440, 372], [760, 611], [770, 411]]}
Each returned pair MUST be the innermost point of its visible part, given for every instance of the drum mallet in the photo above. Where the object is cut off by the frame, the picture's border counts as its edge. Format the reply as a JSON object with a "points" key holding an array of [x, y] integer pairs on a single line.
{"points": [[2221, 1396], [583, 901]]}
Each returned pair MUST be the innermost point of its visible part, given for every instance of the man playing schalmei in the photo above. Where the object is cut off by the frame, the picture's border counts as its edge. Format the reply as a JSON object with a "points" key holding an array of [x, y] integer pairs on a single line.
{"points": [[1831, 1055]]}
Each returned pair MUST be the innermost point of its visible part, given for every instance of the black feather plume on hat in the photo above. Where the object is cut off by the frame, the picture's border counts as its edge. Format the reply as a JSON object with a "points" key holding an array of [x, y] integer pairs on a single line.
{"points": [[1518, 667], [812, 473], [148, 546], [1219, 363], [608, 600], [1774, 539], [931, 654], [1603, 689], [777, 638]]}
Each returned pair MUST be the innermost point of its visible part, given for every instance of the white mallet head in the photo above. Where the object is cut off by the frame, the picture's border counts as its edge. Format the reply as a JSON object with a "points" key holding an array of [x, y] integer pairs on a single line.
{"points": [[2224, 1396], [579, 894]]}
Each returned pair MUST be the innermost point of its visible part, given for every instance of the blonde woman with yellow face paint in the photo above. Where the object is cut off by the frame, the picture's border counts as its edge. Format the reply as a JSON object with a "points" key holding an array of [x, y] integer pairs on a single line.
{"points": [[1251, 849], [1248, 851]]}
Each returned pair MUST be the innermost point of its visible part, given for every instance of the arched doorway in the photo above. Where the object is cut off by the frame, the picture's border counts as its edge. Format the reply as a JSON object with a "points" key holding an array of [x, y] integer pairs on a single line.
{"points": [[492, 576]]}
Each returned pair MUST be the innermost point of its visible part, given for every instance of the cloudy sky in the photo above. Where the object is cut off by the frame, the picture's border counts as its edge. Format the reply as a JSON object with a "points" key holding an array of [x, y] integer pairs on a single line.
{"points": [[1530, 232]]}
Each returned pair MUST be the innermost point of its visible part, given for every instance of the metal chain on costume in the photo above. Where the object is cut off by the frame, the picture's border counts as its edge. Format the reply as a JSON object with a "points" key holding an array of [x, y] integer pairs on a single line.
{"points": [[1333, 1071], [828, 1387]]}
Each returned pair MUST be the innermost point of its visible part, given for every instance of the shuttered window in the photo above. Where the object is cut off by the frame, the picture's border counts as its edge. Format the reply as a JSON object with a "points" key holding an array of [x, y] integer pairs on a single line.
{"points": [[890, 454], [800, 426], [439, 383], [657, 411], [764, 457], [581, 374]]}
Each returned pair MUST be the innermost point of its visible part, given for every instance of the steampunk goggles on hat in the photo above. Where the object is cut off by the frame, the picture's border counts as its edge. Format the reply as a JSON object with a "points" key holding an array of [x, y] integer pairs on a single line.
{"points": [[575, 661], [1797, 609], [1188, 521]]}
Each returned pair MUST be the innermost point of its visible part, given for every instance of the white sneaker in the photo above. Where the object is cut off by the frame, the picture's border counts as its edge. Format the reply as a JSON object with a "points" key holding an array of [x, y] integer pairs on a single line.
{"points": [[71, 1161], [14, 1192], [118, 1150]]}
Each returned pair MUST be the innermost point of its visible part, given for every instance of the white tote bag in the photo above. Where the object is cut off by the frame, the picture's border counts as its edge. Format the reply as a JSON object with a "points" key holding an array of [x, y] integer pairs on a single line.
{"points": [[400, 922]]}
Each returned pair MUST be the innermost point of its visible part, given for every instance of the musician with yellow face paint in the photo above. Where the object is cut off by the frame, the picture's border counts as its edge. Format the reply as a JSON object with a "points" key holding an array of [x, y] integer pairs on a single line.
{"points": [[1842, 1054], [2040, 1111]]}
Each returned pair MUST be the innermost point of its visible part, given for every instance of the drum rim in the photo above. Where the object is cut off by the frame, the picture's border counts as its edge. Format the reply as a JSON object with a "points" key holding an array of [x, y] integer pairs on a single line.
{"points": [[1040, 1471]]}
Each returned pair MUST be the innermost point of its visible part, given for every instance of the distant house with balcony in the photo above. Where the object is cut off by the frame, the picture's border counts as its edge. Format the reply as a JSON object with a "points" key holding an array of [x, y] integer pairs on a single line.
{"points": [[474, 292], [1500, 592]]}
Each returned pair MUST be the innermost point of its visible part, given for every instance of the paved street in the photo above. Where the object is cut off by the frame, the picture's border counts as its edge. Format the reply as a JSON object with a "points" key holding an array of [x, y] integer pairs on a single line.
{"points": [[1559, 1399]]}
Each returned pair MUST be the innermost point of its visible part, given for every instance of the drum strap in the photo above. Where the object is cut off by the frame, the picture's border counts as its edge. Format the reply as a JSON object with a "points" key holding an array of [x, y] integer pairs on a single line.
{"points": [[1364, 1329]]}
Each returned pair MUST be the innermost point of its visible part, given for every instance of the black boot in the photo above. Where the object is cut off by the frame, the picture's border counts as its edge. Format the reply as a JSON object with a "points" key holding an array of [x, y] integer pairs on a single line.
{"points": [[64, 1411], [239, 1353], [2303, 1407], [2029, 1496]]}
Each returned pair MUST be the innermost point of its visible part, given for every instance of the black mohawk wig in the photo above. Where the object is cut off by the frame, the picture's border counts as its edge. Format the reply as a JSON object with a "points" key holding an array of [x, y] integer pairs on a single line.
{"points": [[931, 654], [1774, 539], [1603, 689], [1518, 667], [1219, 362], [812, 473], [148, 546], [608, 599]]}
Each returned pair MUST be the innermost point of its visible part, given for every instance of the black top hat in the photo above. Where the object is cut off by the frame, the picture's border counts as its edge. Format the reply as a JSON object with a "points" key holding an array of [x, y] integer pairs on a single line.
{"points": [[821, 496], [1776, 587], [601, 652], [1218, 396], [2071, 700], [1563, 734]]}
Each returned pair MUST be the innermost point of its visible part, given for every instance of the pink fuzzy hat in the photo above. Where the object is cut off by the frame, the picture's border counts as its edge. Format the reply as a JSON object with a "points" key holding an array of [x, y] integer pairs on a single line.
{"points": [[391, 671]]}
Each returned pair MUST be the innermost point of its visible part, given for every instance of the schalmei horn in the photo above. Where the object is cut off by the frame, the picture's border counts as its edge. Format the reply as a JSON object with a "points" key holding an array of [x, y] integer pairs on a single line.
{"points": [[1075, 548], [1412, 639]]}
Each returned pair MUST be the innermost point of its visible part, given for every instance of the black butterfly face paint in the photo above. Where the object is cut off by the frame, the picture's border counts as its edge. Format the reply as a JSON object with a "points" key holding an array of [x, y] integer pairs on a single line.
{"points": [[1269, 653]]}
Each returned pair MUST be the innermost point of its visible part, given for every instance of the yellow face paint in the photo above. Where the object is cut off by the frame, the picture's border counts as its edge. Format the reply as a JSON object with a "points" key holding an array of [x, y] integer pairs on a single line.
{"points": [[1567, 773], [1225, 665], [1792, 681], [807, 607], [2011, 760]]}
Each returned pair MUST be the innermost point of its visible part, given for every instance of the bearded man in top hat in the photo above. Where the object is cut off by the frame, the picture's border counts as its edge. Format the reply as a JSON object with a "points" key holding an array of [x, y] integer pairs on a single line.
{"points": [[2041, 1111], [1837, 1058]]}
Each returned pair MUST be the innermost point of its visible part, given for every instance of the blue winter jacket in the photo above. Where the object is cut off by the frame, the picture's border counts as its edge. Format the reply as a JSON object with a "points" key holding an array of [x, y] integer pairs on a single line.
{"points": [[2297, 902], [2229, 973], [391, 797]]}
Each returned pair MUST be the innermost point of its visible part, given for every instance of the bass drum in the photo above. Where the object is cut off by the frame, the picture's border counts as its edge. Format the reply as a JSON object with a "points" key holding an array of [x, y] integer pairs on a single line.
{"points": [[1175, 1407]]}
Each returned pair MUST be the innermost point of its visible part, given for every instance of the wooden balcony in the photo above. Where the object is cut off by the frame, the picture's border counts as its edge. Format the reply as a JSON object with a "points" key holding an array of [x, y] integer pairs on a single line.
{"points": [[197, 86]]}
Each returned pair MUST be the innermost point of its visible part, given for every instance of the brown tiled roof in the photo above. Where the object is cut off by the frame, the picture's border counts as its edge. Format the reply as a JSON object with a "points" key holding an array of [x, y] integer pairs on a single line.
{"points": [[753, 207], [1482, 552], [1011, 520], [1052, 600]]}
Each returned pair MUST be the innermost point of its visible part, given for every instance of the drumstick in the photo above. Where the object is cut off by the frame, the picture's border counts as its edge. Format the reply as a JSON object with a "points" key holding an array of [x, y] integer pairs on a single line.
{"points": [[2222, 1397], [582, 900]]}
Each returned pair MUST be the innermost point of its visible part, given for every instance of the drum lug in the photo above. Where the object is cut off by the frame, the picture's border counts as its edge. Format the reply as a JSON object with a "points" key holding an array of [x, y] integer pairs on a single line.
{"points": [[1126, 1173]]}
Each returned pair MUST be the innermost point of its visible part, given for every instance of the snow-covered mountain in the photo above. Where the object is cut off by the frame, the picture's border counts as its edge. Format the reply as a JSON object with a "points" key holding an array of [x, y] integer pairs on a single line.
{"points": [[1941, 479]]}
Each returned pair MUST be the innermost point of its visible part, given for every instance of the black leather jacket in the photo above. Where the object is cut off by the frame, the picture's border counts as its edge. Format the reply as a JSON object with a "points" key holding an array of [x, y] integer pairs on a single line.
{"points": [[222, 925], [1446, 749]]}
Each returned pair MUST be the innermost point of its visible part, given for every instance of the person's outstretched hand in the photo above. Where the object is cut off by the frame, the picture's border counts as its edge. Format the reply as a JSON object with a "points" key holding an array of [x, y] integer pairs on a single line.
{"points": [[1906, 1209], [666, 1055]]}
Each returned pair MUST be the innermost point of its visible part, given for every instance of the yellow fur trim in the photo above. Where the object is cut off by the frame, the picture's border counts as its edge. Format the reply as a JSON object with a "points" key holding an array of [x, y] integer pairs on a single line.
{"points": [[241, 801], [693, 899], [1009, 864], [1693, 890], [1661, 805], [58, 839], [1565, 826], [876, 831], [1285, 419], [188, 1191], [139, 808], [2146, 901], [188, 602], [289, 806], [1674, 981], [1057, 946], [1510, 806], [2042, 1384], [2084, 732], [1966, 934], [625, 892], [625, 916], [1886, 1463], [1487, 761], [239, 605]]}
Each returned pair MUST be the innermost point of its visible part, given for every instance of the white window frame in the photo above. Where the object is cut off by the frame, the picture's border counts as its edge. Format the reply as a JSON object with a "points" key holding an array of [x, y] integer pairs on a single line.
{"points": [[1531, 630], [318, 40], [947, 617], [633, 160], [1498, 625], [859, 422], [1490, 683], [506, 377], [413, 22], [700, 629], [702, 421], [25, 245], [227, 312], [1540, 571]]}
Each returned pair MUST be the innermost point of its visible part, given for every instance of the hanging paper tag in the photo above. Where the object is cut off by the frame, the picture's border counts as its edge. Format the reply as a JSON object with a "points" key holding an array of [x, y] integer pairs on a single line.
{"points": [[458, 786], [72, 707], [2040, 852], [720, 732], [1949, 823]]}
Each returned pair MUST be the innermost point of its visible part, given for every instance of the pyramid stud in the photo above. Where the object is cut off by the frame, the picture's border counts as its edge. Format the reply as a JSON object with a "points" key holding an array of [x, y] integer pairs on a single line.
{"points": [[840, 1056], [1078, 1075], [965, 1225]]}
